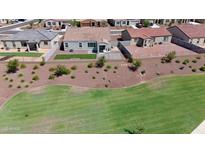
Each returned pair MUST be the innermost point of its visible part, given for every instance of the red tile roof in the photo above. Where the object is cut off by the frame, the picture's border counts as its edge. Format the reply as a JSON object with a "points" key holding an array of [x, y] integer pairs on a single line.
{"points": [[193, 31], [148, 32]]}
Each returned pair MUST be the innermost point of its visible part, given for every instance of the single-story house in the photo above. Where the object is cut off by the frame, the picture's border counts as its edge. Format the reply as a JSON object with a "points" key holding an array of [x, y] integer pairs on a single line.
{"points": [[32, 40], [55, 23], [146, 37], [87, 39], [93, 23], [171, 21], [193, 34], [123, 22]]}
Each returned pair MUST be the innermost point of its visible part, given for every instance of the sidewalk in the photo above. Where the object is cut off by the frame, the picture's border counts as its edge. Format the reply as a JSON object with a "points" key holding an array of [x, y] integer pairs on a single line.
{"points": [[200, 129]]}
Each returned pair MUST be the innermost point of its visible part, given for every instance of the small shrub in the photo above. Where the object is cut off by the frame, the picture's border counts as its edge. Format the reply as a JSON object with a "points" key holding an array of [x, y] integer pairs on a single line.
{"points": [[4, 75], [22, 66], [202, 68], [51, 77], [157, 73], [90, 65], [12, 66], [194, 61], [177, 61], [20, 75], [11, 80], [26, 86], [6, 78], [136, 63], [51, 69], [31, 82], [42, 62], [190, 66], [35, 78], [33, 72], [115, 67], [10, 86], [186, 61], [143, 72], [171, 71], [35, 67], [108, 66], [61, 70], [86, 71], [93, 77], [181, 68], [105, 69], [97, 72], [194, 70], [169, 57], [103, 78], [18, 86], [72, 77], [73, 68], [100, 62], [22, 80], [198, 57], [106, 85], [114, 71]]}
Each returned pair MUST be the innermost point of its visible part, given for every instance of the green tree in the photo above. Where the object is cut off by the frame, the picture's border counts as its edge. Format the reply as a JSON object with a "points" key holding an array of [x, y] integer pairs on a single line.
{"points": [[146, 23], [12, 66]]}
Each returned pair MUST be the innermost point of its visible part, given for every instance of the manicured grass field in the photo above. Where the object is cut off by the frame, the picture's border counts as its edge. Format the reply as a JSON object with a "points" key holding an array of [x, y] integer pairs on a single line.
{"points": [[21, 54], [166, 105], [80, 56]]}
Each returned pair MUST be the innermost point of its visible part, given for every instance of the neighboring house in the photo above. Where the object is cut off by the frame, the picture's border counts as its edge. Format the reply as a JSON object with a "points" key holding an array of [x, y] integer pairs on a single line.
{"points": [[31, 40], [55, 23], [93, 23], [171, 21], [87, 39], [193, 34], [146, 37], [123, 22]]}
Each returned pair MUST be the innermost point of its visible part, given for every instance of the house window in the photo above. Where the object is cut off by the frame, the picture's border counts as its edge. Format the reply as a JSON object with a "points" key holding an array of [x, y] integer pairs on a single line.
{"points": [[165, 39], [124, 22], [80, 45], [54, 23], [23, 44], [117, 23], [66, 45], [204, 40], [197, 41], [49, 23], [91, 45], [14, 45], [45, 42]]}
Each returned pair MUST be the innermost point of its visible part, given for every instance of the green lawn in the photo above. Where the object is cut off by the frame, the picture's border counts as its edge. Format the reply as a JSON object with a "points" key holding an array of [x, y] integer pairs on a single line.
{"points": [[166, 105], [21, 54], [80, 56]]}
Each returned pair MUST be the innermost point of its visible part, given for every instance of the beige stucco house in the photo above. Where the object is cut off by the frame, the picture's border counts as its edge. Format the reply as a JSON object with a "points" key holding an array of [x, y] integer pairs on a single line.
{"points": [[146, 37], [87, 40], [193, 34], [31, 40]]}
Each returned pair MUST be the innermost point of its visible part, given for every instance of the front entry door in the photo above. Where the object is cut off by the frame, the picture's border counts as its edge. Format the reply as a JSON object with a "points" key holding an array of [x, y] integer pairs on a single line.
{"points": [[101, 48]]}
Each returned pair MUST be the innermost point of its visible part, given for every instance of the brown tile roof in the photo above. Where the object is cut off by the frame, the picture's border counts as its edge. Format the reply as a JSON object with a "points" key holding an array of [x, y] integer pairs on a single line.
{"points": [[193, 31], [148, 32], [88, 33]]}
